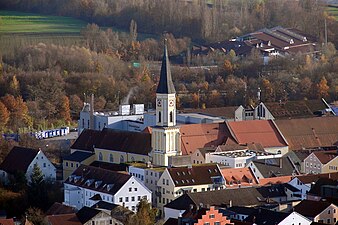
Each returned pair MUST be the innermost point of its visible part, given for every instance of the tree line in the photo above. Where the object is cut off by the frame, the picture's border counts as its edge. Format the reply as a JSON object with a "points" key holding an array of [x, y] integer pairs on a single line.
{"points": [[211, 21]]}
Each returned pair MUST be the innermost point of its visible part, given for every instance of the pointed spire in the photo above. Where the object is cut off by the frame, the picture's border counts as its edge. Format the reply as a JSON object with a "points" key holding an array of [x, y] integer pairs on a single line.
{"points": [[165, 85]]}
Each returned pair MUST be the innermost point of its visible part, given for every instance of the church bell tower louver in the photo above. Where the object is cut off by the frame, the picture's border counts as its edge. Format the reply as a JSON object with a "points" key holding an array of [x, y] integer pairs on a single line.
{"points": [[166, 140]]}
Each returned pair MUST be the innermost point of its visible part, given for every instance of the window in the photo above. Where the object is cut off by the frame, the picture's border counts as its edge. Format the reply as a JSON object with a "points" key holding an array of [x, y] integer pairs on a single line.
{"points": [[329, 212], [111, 158], [163, 181], [135, 189], [138, 198], [71, 164], [120, 199], [217, 223], [171, 117], [66, 163], [159, 116], [44, 164], [206, 223], [132, 198], [212, 216], [100, 156], [167, 182], [121, 159], [130, 189], [328, 221], [133, 208], [127, 199]]}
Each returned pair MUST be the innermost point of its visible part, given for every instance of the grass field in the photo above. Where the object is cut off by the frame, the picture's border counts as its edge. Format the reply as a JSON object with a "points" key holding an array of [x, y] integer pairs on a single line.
{"points": [[18, 22], [19, 29], [333, 11]]}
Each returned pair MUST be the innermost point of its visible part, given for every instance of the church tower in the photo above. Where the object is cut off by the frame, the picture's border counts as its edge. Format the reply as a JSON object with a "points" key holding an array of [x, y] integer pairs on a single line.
{"points": [[165, 140]]}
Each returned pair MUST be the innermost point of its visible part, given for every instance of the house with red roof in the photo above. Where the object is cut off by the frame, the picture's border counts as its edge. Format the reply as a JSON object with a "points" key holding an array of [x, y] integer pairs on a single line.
{"points": [[264, 132]]}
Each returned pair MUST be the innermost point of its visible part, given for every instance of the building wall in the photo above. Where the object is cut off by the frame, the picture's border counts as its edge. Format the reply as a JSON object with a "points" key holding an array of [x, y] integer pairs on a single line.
{"points": [[47, 168], [295, 218], [197, 157], [73, 196], [255, 171], [277, 150], [101, 218], [329, 215], [131, 193], [151, 178], [70, 166], [331, 167], [172, 213], [312, 164], [232, 162], [111, 156], [304, 189], [212, 216], [165, 142]]}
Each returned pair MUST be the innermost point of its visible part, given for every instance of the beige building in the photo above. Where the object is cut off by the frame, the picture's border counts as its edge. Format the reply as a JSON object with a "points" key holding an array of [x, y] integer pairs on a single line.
{"points": [[321, 162], [73, 161], [318, 211], [175, 182]]}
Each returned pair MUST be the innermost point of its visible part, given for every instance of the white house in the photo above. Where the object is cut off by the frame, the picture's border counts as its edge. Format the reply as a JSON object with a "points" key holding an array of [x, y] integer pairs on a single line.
{"points": [[23, 160], [295, 218], [88, 185], [148, 175]]}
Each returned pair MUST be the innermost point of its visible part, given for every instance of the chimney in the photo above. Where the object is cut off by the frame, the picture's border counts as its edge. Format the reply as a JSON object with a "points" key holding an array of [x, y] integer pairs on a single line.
{"points": [[230, 203], [91, 124], [281, 162]]}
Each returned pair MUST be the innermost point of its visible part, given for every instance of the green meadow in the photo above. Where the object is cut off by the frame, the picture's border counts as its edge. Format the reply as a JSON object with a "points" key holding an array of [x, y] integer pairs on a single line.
{"points": [[18, 29], [332, 11]]}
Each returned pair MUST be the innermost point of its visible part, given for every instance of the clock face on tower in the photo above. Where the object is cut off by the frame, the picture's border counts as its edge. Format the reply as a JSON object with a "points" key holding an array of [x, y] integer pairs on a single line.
{"points": [[159, 103], [171, 103]]}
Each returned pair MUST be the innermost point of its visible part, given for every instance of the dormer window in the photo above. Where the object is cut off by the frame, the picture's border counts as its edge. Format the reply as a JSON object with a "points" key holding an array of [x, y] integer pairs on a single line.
{"points": [[89, 182], [98, 183], [110, 186]]}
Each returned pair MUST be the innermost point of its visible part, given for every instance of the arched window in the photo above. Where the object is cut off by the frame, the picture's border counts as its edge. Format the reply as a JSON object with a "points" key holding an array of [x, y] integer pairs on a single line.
{"points": [[132, 159], [159, 116], [111, 158], [121, 159], [100, 156], [171, 116]]}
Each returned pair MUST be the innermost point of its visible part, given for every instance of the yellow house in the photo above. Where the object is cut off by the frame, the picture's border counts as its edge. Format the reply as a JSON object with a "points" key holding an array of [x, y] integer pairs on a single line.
{"points": [[177, 181], [74, 160], [331, 166]]}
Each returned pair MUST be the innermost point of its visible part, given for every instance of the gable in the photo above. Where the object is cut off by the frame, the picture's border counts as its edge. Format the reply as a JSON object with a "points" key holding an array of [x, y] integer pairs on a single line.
{"points": [[18, 159]]}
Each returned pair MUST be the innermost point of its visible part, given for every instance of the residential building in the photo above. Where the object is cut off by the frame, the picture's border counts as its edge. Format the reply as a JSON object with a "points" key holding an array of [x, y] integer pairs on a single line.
{"points": [[266, 168], [62, 219], [295, 218], [240, 177], [318, 211], [249, 196], [119, 214], [21, 159], [324, 188], [203, 216], [321, 162], [198, 156], [264, 132], [74, 160], [297, 158], [238, 158], [88, 185], [196, 178], [58, 208], [90, 216], [149, 175]]}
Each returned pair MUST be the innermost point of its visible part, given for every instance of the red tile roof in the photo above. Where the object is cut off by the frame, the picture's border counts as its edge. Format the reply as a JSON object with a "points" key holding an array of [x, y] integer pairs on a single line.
{"points": [[310, 132], [274, 180], [6, 221], [69, 219], [325, 156], [257, 131], [194, 136], [244, 175]]}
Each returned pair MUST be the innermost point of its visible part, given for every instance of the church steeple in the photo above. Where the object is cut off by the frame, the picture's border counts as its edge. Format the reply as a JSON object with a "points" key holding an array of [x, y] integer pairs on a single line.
{"points": [[165, 85], [165, 138]]}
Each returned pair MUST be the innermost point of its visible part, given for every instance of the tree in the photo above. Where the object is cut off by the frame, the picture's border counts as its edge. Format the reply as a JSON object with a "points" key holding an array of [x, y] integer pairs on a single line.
{"points": [[64, 109], [36, 216], [145, 214], [14, 86], [37, 191], [4, 117], [322, 88]]}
